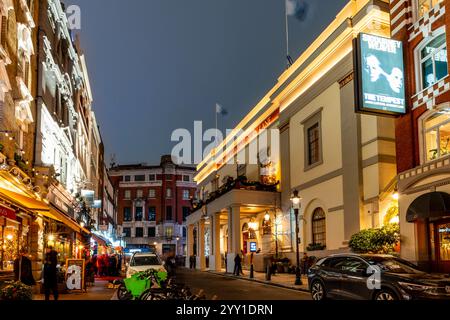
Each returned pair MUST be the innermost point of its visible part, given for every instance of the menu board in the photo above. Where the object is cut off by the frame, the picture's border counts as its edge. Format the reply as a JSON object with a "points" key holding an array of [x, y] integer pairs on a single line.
{"points": [[75, 274]]}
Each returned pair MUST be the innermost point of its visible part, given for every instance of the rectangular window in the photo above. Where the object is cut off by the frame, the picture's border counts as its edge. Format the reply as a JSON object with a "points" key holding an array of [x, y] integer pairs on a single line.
{"points": [[127, 178], [186, 178], [139, 233], [184, 232], [127, 195], [186, 195], [313, 145], [139, 178], [152, 177], [186, 212], [152, 193], [169, 216], [151, 232], [152, 214], [139, 194], [127, 214], [169, 232], [434, 65], [127, 232], [139, 214], [169, 193]]}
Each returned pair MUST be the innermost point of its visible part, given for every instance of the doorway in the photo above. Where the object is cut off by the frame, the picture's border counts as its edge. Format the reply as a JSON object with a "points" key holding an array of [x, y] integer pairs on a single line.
{"points": [[440, 245]]}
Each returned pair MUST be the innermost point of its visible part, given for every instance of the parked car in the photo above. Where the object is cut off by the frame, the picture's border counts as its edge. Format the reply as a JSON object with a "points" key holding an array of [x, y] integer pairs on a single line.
{"points": [[141, 262], [374, 277]]}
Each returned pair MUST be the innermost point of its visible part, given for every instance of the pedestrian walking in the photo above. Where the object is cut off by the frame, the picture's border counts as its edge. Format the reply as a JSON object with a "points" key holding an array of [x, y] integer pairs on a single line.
{"points": [[50, 273], [23, 272]]}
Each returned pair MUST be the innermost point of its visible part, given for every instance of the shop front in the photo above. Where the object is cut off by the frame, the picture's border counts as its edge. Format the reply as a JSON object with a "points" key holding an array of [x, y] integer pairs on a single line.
{"points": [[430, 214]]}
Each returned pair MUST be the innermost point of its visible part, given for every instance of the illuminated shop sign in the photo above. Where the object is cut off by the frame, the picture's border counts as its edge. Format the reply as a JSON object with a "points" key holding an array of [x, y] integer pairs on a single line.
{"points": [[379, 75]]}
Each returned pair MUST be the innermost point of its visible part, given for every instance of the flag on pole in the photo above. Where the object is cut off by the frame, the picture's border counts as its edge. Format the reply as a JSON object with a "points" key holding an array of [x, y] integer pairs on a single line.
{"points": [[221, 110], [297, 8]]}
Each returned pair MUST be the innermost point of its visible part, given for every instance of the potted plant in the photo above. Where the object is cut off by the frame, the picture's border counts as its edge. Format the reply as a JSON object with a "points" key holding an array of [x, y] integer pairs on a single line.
{"points": [[316, 247], [16, 291]]}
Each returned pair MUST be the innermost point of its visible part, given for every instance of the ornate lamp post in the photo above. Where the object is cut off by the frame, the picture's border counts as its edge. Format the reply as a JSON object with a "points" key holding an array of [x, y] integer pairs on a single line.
{"points": [[296, 205]]}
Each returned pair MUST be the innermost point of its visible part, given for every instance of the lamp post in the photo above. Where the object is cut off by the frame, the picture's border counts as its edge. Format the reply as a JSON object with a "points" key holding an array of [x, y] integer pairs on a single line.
{"points": [[296, 205]]}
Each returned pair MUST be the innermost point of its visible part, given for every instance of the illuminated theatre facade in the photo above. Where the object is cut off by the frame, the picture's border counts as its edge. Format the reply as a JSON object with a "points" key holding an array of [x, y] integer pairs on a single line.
{"points": [[423, 134], [341, 162]]}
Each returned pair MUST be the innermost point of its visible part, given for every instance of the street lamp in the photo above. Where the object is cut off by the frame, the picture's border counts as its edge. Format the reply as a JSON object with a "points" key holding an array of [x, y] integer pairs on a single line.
{"points": [[296, 205]]}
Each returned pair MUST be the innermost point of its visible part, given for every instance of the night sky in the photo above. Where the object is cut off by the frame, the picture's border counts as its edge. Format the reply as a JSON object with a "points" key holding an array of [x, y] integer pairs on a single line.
{"points": [[159, 65]]}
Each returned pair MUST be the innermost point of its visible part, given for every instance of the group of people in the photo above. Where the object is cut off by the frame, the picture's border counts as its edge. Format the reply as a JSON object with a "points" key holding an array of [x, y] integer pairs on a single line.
{"points": [[23, 272], [104, 265]]}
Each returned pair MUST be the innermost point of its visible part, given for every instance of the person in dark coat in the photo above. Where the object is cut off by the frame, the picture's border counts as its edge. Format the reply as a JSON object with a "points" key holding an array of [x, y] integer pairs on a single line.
{"points": [[23, 270], [50, 273], [237, 265]]}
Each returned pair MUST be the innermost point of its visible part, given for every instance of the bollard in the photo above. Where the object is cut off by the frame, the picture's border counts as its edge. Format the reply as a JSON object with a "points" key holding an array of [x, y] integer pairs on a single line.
{"points": [[251, 272], [268, 273]]}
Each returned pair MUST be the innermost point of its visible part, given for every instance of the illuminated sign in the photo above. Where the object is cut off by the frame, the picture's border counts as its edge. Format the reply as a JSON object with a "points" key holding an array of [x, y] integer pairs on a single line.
{"points": [[379, 75], [88, 196], [253, 247]]}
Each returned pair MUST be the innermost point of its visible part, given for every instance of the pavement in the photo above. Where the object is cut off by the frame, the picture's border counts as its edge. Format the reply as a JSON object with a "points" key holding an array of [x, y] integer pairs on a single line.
{"points": [[99, 292], [282, 280]]}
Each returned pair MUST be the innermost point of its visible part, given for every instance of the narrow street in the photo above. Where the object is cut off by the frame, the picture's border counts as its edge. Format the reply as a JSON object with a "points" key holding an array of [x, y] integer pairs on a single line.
{"points": [[235, 289]]}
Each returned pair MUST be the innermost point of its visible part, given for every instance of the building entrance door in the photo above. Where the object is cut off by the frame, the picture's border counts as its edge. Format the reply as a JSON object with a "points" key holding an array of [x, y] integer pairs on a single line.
{"points": [[440, 245]]}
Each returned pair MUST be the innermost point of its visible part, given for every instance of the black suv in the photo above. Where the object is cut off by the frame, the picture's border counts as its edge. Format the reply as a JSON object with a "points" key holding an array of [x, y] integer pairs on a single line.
{"points": [[374, 277]]}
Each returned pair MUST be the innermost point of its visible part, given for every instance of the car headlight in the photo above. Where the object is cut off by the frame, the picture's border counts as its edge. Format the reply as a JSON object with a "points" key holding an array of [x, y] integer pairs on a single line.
{"points": [[417, 287]]}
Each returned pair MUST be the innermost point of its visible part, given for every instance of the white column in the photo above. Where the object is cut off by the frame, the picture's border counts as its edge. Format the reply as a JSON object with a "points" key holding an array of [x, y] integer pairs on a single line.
{"points": [[234, 236], [190, 244], [215, 260], [201, 260]]}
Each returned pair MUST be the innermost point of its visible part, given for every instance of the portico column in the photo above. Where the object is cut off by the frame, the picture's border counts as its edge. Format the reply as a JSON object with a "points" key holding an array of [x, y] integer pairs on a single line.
{"points": [[190, 244], [215, 262], [234, 236], [201, 259]]}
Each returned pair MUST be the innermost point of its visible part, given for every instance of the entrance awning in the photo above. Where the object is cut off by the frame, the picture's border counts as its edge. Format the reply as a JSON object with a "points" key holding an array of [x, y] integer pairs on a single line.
{"points": [[430, 205], [100, 240], [55, 214], [23, 201]]}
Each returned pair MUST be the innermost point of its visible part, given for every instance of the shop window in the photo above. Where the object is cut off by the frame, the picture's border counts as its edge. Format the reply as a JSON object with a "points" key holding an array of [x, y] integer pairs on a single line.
{"points": [[444, 242], [127, 232], [139, 214], [186, 195], [127, 214], [151, 232], [319, 227], [152, 193], [437, 134], [152, 214], [139, 233], [423, 6], [433, 61]]}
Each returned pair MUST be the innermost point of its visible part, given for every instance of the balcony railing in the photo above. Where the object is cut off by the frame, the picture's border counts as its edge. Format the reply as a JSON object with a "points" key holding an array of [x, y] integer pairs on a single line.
{"points": [[427, 167]]}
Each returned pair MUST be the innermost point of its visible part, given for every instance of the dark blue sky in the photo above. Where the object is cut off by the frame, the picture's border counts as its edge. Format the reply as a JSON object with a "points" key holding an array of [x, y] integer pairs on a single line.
{"points": [[158, 65]]}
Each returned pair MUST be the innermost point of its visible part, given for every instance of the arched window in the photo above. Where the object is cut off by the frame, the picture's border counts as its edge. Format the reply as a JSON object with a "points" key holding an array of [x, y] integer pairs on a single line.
{"points": [[437, 134], [319, 231]]}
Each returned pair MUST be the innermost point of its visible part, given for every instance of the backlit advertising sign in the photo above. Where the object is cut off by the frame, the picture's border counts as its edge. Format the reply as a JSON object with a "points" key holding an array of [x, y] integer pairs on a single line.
{"points": [[379, 75]]}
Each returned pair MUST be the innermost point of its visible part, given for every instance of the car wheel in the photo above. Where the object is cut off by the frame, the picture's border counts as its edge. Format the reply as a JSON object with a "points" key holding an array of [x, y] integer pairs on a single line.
{"points": [[318, 291], [385, 295]]}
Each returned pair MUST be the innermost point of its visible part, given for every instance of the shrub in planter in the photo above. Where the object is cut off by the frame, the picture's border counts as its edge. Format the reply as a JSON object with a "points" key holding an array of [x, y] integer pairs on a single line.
{"points": [[16, 291], [382, 240], [315, 247]]}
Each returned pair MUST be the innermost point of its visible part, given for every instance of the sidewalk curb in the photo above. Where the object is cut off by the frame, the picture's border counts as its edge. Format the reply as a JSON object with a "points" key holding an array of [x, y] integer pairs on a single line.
{"points": [[270, 283]]}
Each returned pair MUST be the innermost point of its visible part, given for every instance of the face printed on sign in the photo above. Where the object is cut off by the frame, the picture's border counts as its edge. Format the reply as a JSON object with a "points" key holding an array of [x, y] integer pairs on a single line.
{"points": [[373, 67], [395, 80]]}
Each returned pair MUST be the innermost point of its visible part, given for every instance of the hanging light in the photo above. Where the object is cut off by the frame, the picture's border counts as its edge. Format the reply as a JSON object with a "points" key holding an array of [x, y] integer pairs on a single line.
{"points": [[9, 237], [267, 216], [395, 196], [51, 237]]}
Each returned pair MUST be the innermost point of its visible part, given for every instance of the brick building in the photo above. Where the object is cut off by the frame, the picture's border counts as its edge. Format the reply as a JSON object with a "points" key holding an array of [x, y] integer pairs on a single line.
{"points": [[423, 134], [153, 203]]}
